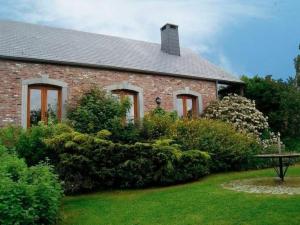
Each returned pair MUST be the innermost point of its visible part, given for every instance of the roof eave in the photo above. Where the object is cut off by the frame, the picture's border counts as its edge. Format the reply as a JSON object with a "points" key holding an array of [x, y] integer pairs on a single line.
{"points": [[56, 62]]}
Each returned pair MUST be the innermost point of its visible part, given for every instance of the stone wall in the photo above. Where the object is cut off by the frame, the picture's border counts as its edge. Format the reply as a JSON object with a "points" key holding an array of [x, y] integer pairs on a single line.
{"points": [[80, 79]]}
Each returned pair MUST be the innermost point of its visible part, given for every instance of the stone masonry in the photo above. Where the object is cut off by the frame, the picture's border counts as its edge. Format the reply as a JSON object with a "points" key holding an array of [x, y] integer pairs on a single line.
{"points": [[81, 79]]}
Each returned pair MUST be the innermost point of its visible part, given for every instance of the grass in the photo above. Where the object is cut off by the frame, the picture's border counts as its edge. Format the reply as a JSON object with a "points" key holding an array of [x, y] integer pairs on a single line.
{"points": [[202, 202]]}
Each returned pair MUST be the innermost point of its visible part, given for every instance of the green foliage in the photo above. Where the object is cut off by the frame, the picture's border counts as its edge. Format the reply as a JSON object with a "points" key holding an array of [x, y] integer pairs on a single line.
{"points": [[88, 162], [240, 112], [278, 100], [31, 146], [158, 123], [103, 134], [9, 136], [243, 115], [297, 68], [192, 165], [28, 195], [229, 150], [97, 111], [292, 144], [125, 132]]}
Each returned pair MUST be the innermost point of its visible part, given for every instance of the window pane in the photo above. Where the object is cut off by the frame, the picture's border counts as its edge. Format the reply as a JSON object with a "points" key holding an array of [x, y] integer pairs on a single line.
{"points": [[189, 107], [179, 106], [52, 105], [35, 106], [117, 96], [130, 112]]}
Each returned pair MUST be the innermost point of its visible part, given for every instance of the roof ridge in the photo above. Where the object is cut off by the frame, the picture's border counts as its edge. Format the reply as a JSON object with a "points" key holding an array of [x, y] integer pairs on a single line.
{"points": [[75, 30]]}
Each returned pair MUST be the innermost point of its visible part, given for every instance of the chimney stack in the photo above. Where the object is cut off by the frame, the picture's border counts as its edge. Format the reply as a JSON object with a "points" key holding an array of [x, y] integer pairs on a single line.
{"points": [[170, 39]]}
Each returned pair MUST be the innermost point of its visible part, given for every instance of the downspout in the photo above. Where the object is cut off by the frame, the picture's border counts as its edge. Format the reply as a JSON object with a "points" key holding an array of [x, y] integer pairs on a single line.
{"points": [[217, 94]]}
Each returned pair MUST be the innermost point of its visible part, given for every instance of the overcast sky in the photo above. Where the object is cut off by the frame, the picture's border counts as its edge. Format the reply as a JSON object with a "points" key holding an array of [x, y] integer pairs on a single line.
{"points": [[242, 36]]}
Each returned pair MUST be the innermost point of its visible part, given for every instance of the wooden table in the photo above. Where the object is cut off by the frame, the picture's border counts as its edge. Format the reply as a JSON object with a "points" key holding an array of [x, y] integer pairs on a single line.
{"points": [[280, 170]]}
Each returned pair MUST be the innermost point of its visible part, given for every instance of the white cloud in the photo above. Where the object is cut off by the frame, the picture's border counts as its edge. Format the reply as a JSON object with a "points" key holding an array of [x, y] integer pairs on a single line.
{"points": [[200, 22], [141, 19]]}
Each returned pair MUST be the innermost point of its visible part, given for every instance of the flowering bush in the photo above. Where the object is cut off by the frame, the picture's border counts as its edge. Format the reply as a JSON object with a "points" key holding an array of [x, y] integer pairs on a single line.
{"points": [[242, 113], [239, 111]]}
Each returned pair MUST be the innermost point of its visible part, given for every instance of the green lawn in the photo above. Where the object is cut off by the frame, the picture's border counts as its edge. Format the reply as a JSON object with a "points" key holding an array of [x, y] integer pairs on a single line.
{"points": [[202, 202]]}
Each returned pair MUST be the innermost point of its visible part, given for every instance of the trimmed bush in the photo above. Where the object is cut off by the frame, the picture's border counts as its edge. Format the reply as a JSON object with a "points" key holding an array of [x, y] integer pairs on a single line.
{"points": [[87, 163], [229, 150], [127, 133], [28, 195]]}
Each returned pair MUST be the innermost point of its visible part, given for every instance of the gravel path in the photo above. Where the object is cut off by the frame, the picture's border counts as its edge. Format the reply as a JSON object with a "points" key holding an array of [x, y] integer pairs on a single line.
{"points": [[249, 186]]}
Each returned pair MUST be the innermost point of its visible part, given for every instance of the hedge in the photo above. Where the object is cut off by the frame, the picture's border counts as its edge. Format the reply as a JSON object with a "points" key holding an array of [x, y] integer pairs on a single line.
{"points": [[87, 162]]}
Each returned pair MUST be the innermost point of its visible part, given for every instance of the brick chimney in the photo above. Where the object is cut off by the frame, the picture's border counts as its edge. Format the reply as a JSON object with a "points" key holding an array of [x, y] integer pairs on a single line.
{"points": [[170, 39]]}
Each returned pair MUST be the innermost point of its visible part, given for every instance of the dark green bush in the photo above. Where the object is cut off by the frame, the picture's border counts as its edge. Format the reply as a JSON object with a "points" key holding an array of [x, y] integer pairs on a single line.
{"points": [[30, 144], [277, 99], [229, 150], [96, 111], [158, 123], [87, 162], [292, 144], [192, 165], [128, 133], [28, 195]]}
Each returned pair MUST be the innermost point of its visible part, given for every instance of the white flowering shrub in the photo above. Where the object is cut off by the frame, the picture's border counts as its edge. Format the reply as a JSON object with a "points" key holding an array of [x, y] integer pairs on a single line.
{"points": [[242, 113]]}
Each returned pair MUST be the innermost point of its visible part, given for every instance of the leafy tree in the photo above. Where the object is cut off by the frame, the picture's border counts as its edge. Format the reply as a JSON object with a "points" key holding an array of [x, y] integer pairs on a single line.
{"points": [[278, 100], [96, 110], [297, 68]]}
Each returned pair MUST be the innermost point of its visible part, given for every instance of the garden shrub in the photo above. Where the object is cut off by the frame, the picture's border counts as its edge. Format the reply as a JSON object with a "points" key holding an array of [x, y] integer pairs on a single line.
{"points": [[229, 150], [127, 133], [28, 195], [96, 110], [192, 165], [9, 136], [87, 162], [157, 123], [31, 146], [242, 113]]}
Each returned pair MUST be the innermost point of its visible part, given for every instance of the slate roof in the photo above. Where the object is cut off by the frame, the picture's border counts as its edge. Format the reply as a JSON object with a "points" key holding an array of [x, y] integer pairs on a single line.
{"points": [[55, 45]]}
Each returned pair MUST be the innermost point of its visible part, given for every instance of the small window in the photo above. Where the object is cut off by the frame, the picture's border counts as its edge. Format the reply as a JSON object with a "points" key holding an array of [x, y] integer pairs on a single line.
{"points": [[132, 113], [187, 106], [44, 103]]}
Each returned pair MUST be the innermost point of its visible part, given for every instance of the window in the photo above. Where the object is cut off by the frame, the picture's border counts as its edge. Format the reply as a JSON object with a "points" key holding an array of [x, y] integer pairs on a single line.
{"points": [[186, 105], [132, 113], [44, 102]]}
